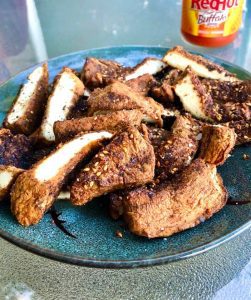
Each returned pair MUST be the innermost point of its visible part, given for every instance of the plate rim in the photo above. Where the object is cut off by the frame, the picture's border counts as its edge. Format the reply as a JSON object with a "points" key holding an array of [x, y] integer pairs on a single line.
{"points": [[133, 263], [121, 264]]}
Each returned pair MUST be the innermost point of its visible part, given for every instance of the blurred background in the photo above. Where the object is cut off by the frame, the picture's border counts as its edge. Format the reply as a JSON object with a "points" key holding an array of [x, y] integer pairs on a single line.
{"points": [[35, 30]]}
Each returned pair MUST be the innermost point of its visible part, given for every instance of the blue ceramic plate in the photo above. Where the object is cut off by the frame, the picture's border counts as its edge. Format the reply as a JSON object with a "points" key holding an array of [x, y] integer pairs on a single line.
{"points": [[95, 243]]}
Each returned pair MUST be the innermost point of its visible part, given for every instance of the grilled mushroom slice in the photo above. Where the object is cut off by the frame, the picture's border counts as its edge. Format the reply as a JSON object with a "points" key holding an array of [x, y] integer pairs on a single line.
{"points": [[26, 113], [66, 92], [173, 206], [36, 189], [179, 58], [148, 66], [101, 72], [114, 121], [216, 144], [127, 161], [118, 96], [194, 97]]}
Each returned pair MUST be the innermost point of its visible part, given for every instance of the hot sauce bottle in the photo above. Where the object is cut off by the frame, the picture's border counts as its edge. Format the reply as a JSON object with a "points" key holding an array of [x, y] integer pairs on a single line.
{"points": [[211, 23]]}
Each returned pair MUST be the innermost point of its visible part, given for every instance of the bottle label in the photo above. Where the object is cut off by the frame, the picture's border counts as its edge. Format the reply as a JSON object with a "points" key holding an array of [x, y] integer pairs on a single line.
{"points": [[212, 18]]}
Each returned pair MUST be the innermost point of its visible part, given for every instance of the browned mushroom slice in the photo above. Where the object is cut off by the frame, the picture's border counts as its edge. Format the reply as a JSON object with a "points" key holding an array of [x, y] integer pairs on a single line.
{"points": [[179, 149], [170, 207], [216, 144], [100, 72], [27, 110], [142, 84], [194, 97], [147, 66], [181, 59], [66, 92], [36, 189], [114, 121], [119, 96], [127, 161]]}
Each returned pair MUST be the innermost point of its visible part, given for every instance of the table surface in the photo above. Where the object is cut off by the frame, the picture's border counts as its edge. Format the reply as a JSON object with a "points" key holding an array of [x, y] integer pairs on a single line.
{"points": [[33, 31]]}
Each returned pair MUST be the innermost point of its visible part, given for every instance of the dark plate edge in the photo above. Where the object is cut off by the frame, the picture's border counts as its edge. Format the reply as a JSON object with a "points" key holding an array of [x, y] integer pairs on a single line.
{"points": [[120, 264]]}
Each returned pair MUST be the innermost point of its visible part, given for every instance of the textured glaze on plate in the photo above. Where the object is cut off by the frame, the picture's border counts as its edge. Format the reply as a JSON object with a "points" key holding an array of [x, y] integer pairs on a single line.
{"points": [[96, 243]]}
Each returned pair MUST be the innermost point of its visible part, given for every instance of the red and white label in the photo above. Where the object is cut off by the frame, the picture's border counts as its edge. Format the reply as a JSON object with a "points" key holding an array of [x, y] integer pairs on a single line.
{"points": [[218, 5]]}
